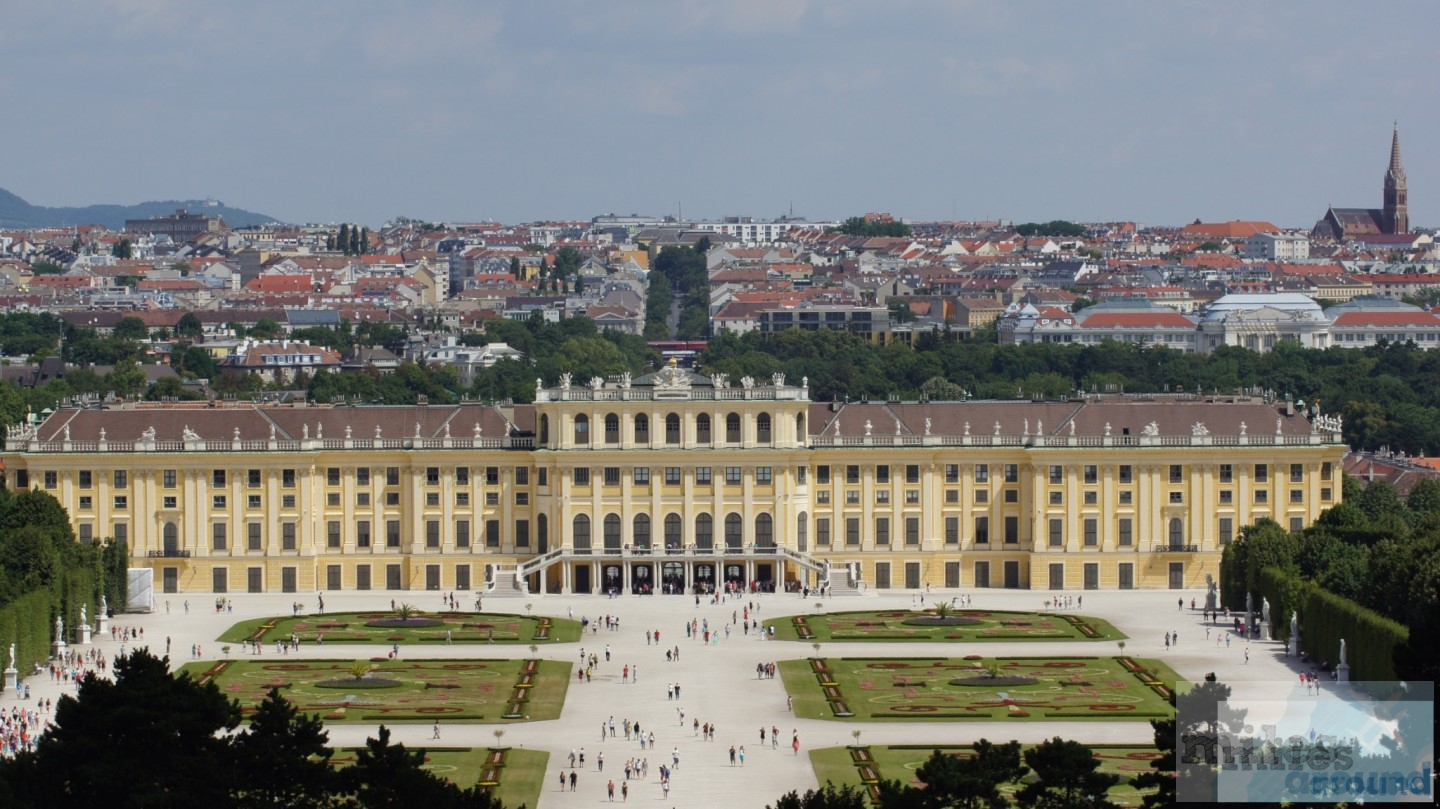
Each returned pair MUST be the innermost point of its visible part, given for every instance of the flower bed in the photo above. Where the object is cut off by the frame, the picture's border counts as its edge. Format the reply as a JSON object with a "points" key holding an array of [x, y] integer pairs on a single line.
{"points": [[364, 683], [404, 623]]}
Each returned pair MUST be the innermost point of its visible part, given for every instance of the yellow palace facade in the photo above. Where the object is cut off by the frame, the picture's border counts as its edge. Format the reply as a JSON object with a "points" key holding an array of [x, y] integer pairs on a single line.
{"points": [[673, 481]]}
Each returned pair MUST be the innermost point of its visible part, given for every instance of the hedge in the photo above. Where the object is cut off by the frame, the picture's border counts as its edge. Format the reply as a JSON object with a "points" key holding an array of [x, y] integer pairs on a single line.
{"points": [[27, 622], [1286, 593], [1370, 638]]}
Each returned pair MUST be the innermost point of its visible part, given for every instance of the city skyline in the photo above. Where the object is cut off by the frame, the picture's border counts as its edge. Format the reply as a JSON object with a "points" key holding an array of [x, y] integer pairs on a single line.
{"points": [[446, 112]]}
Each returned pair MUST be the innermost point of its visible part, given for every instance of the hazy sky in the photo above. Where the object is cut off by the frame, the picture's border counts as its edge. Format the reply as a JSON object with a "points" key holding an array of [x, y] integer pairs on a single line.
{"points": [[1159, 112]]}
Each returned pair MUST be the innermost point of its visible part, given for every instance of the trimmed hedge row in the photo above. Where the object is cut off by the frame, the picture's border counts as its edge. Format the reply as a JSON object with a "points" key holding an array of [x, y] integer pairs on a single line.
{"points": [[1325, 618], [29, 621]]}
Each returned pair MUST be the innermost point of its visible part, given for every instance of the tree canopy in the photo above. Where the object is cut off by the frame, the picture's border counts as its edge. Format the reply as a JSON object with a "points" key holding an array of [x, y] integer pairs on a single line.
{"points": [[863, 226]]}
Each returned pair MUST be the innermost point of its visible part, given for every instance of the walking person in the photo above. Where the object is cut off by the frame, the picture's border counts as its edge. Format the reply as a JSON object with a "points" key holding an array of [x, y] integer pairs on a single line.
{"points": [[436, 733]]}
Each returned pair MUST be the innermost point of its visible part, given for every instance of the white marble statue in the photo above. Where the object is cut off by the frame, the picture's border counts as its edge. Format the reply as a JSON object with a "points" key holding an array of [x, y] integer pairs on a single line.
{"points": [[12, 655], [104, 606], [1342, 652], [83, 616], [59, 629]]}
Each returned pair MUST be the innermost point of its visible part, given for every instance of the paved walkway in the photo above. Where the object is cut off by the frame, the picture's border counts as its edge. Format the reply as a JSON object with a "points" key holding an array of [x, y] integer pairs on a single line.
{"points": [[718, 683]]}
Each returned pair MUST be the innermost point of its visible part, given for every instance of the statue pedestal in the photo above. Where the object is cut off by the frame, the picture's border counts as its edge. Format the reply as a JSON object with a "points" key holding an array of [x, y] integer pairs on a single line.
{"points": [[102, 625], [12, 679], [57, 649], [1266, 632], [1342, 672], [1289, 648], [84, 634]]}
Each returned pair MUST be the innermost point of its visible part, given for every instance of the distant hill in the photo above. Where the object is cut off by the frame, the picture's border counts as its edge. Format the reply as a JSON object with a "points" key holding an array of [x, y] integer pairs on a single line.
{"points": [[17, 213]]}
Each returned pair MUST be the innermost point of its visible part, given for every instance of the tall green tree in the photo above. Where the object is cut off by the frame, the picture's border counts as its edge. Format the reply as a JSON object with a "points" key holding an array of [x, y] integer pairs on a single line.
{"points": [[826, 797], [284, 758], [959, 782], [1069, 778]]}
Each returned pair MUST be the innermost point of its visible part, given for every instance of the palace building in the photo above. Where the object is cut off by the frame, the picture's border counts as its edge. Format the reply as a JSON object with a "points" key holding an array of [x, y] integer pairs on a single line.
{"points": [[674, 480]]}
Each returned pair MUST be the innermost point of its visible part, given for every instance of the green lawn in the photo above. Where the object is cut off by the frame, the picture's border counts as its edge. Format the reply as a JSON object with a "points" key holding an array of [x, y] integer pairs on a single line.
{"points": [[975, 625], [369, 627], [422, 690], [908, 689], [840, 765], [517, 778]]}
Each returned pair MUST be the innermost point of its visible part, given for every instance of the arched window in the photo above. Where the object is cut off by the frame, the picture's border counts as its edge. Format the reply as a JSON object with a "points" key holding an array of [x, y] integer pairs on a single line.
{"points": [[672, 429], [542, 533], [705, 532], [580, 533], [642, 429], [612, 532], [702, 428], [544, 430], [172, 539], [802, 533], [732, 428], [582, 429], [762, 428], [612, 428], [1177, 533], [672, 530], [800, 437], [640, 535], [734, 530], [764, 531]]}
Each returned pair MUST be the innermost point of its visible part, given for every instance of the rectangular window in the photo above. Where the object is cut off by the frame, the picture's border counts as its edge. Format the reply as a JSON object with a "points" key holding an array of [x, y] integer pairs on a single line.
{"points": [[432, 499], [852, 474], [952, 530], [822, 474], [1177, 473], [763, 476], [822, 530], [522, 498], [912, 496], [332, 534], [287, 478], [1297, 524], [86, 503], [168, 478], [1127, 575], [1012, 530], [492, 533], [522, 533], [1127, 537], [882, 496], [362, 534], [581, 476], [1262, 496], [1262, 473], [982, 496], [362, 498], [1057, 498], [1092, 532], [542, 477], [287, 501], [170, 502], [1326, 494], [612, 475], [852, 531], [912, 473], [122, 502], [252, 478], [1092, 474], [392, 533], [822, 496], [1057, 474], [702, 476], [952, 495], [952, 473], [1177, 498], [852, 495], [462, 533], [1127, 474], [1012, 473], [672, 476], [1057, 533], [1326, 471], [732, 475], [1227, 530], [85, 479], [1297, 495], [120, 531], [362, 477], [392, 476], [641, 475], [982, 473], [122, 478], [217, 501], [882, 474], [882, 530], [432, 476], [332, 476], [252, 536], [1297, 473], [492, 476], [1012, 496], [1092, 498], [1227, 473], [912, 530], [432, 533], [462, 476], [982, 530], [287, 536], [800, 475], [217, 536]]}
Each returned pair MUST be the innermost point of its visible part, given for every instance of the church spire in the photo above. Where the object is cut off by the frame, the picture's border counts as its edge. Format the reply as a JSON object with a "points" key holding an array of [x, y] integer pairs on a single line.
{"points": [[1395, 216], [1396, 170]]}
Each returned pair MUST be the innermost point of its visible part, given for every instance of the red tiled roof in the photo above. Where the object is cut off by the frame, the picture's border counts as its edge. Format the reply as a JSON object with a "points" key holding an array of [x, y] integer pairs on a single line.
{"points": [[1387, 319], [1105, 320]]}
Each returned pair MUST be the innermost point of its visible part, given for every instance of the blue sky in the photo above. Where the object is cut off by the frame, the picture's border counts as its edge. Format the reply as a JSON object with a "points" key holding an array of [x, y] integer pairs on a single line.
{"points": [[322, 111]]}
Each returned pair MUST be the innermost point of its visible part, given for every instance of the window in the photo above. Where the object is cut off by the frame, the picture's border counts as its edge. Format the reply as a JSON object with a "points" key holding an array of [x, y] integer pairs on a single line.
{"points": [[361, 499], [582, 429], [982, 473], [1127, 497], [612, 429], [462, 476], [1297, 524], [1057, 498], [492, 476], [85, 479], [540, 477], [982, 496], [122, 479], [1227, 473], [1297, 473], [432, 533], [764, 531], [1057, 475], [822, 531], [912, 473], [170, 502], [702, 476], [1092, 532], [462, 533], [287, 536], [852, 474], [1326, 471], [852, 531], [982, 530], [492, 533], [332, 534], [252, 536], [611, 475], [432, 476], [1177, 498], [287, 501], [952, 495], [86, 502], [1177, 533], [640, 531], [392, 476], [1057, 533], [952, 530], [522, 533], [217, 501], [822, 496], [362, 534], [392, 533], [912, 530], [762, 428], [580, 533], [362, 477], [492, 498], [1012, 530], [581, 476], [672, 429], [734, 530], [702, 428], [882, 530], [217, 536], [168, 478], [1326, 494], [882, 496], [1262, 496], [882, 474], [462, 498], [672, 531], [1297, 495], [1127, 474], [763, 476], [912, 496], [121, 502], [392, 498], [1012, 473], [332, 476], [732, 428], [641, 476], [952, 473], [1092, 474], [704, 532], [1127, 536], [1262, 473], [1091, 498], [822, 475], [672, 476], [1012, 496], [1227, 496], [1177, 473], [732, 476], [642, 429], [1227, 530]]}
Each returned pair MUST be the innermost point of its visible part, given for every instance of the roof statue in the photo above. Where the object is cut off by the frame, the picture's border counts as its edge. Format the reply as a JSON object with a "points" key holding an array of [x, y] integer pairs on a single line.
{"points": [[1243, 427], [1039, 427], [927, 425], [67, 432], [625, 380], [377, 432], [673, 376], [720, 381], [102, 433], [897, 426], [778, 380], [747, 382], [272, 432], [597, 382], [997, 427], [347, 432], [447, 429], [868, 427], [417, 429], [476, 431], [1026, 429], [1279, 425], [149, 434], [565, 379], [1199, 428], [1151, 429], [320, 430], [805, 382], [236, 433], [1107, 429], [304, 431]]}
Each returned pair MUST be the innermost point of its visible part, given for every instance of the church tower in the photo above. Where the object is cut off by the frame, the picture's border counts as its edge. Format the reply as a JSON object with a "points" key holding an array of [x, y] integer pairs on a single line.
{"points": [[1396, 214]]}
